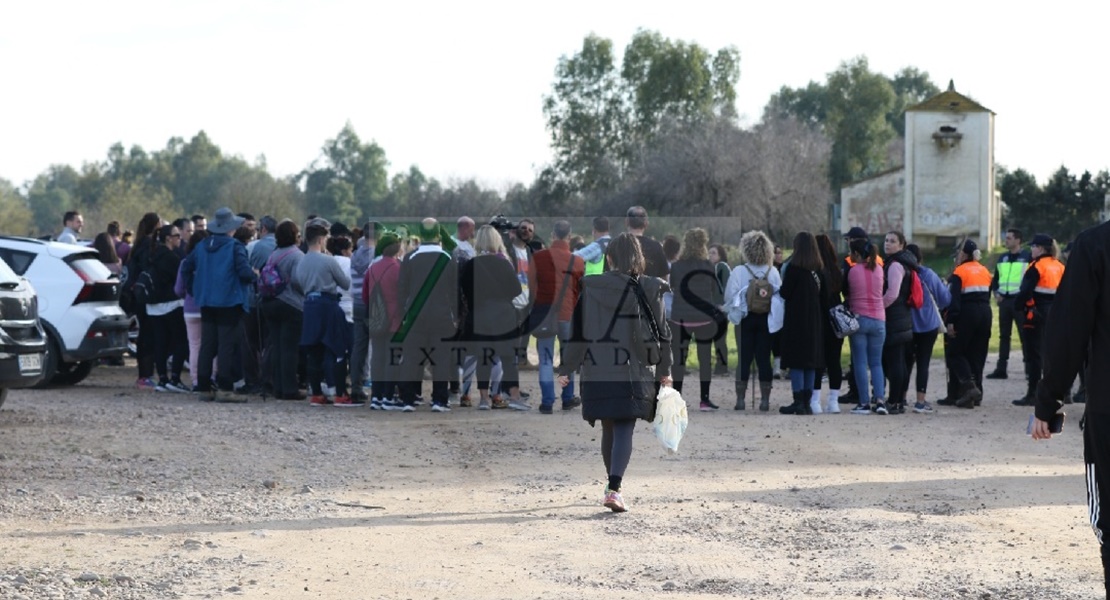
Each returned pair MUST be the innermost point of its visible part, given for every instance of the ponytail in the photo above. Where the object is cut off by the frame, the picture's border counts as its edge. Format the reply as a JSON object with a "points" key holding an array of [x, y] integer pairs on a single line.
{"points": [[865, 249]]}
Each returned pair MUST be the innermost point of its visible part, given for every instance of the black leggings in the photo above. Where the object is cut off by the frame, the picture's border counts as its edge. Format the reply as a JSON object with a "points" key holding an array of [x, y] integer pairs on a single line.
{"points": [[169, 337], [616, 448], [894, 367], [680, 347], [919, 353], [753, 341], [832, 347]]}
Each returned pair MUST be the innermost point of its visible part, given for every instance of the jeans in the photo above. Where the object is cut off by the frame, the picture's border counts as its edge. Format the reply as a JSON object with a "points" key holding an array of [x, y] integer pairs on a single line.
{"points": [[867, 355], [360, 347], [546, 349], [802, 379]]}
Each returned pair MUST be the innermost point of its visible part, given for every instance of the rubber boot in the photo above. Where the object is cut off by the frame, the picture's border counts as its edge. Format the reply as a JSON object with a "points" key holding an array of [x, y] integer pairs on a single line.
{"points": [[832, 402], [969, 395], [815, 403], [764, 396], [741, 395]]}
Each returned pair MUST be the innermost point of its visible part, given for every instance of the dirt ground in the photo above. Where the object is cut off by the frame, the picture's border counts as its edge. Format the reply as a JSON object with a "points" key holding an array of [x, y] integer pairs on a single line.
{"points": [[111, 492]]}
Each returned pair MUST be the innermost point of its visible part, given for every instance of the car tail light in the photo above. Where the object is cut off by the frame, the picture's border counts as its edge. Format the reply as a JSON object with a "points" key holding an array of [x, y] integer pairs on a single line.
{"points": [[87, 289]]}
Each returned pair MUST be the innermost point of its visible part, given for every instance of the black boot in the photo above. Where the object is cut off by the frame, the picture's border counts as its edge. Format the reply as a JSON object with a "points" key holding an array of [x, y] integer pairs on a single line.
{"points": [[969, 395], [852, 397], [1029, 399], [953, 390], [741, 395], [999, 371], [800, 405]]}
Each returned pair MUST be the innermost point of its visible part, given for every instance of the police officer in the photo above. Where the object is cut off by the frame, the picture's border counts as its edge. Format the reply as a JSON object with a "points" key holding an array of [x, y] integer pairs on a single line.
{"points": [[1008, 272], [969, 325], [1034, 299]]}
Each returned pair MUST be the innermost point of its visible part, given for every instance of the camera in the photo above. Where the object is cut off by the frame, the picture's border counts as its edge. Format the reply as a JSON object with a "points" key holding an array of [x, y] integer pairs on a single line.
{"points": [[501, 224]]}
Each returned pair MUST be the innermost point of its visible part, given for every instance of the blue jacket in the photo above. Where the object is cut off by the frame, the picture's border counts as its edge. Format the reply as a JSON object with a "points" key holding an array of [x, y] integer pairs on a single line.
{"points": [[937, 294], [218, 274]]}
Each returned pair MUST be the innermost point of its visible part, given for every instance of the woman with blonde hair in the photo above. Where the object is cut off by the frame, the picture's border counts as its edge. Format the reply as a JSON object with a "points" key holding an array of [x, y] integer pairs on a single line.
{"points": [[694, 315], [488, 284], [753, 338]]}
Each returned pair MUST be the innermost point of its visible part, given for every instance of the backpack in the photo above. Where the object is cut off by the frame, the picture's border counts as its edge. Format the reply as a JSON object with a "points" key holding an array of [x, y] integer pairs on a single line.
{"points": [[270, 282], [759, 293], [916, 297], [142, 291], [377, 313]]}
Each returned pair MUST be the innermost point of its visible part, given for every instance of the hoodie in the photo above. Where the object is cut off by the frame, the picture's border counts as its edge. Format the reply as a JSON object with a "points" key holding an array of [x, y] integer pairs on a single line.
{"points": [[217, 273]]}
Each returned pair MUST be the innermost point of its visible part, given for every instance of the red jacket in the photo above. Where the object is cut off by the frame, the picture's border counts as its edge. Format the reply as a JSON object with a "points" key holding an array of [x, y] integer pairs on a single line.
{"points": [[545, 277]]}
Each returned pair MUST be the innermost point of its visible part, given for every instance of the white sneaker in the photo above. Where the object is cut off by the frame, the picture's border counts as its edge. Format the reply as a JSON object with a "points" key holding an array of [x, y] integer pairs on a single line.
{"points": [[453, 399], [832, 402], [815, 402], [483, 405], [440, 408], [408, 408]]}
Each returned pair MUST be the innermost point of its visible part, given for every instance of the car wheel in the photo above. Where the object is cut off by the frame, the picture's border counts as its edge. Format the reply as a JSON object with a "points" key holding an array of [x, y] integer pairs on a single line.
{"points": [[50, 360], [3, 396], [72, 373]]}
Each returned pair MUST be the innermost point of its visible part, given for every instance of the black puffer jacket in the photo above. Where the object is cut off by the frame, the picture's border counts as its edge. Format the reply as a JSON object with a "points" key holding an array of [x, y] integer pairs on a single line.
{"points": [[899, 315], [615, 384]]}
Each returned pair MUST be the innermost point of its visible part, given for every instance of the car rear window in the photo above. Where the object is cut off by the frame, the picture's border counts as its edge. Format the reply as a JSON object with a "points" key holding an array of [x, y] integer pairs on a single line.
{"points": [[7, 275], [18, 261], [91, 268]]}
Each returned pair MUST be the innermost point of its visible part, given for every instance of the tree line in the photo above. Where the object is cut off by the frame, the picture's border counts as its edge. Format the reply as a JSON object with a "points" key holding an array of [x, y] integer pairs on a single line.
{"points": [[656, 126]]}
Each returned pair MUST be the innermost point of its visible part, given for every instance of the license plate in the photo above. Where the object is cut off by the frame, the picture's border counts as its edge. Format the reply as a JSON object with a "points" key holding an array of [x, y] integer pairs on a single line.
{"points": [[30, 363]]}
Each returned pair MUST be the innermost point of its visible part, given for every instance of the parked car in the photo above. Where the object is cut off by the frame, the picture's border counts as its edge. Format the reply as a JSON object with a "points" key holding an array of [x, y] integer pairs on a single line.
{"points": [[22, 341], [78, 305]]}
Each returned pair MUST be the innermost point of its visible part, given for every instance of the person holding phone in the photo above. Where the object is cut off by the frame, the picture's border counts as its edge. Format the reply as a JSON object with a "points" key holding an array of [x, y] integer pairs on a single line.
{"points": [[1077, 333]]}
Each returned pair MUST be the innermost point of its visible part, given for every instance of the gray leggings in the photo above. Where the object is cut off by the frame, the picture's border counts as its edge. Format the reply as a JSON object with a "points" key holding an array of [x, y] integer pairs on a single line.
{"points": [[616, 445]]}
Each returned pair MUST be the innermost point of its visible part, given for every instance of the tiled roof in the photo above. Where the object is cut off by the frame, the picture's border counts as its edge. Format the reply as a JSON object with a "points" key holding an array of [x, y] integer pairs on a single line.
{"points": [[949, 101]]}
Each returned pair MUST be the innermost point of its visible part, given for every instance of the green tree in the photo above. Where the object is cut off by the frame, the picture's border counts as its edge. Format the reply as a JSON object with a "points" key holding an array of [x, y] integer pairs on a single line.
{"points": [[15, 216], [859, 102], [601, 120], [911, 86], [362, 166], [52, 194]]}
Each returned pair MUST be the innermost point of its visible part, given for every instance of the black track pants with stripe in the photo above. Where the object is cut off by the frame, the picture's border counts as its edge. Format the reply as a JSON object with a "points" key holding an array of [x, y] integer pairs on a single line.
{"points": [[1096, 455]]}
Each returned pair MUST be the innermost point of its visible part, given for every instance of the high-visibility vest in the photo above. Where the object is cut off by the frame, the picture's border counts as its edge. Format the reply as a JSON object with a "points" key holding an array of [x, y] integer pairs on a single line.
{"points": [[1010, 272], [852, 263], [1052, 271], [597, 267], [974, 277]]}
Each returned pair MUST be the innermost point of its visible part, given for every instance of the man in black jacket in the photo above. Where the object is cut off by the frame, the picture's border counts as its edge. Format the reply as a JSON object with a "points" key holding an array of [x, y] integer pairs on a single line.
{"points": [[1076, 331], [636, 223]]}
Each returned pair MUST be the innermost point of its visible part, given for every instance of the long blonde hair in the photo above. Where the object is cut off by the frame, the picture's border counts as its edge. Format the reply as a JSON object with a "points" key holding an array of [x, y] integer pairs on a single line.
{"points": [[487, 240]]}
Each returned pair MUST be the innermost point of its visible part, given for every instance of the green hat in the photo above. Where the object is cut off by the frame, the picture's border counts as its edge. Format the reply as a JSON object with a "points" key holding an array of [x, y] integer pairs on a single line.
{"points": [[385, 240]]}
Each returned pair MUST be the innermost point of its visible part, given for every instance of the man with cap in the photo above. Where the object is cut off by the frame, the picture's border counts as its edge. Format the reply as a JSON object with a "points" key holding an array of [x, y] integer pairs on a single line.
{"points": [[1033, 301], [1008, 273], [968, 321], [220, 278], [428, 289]]}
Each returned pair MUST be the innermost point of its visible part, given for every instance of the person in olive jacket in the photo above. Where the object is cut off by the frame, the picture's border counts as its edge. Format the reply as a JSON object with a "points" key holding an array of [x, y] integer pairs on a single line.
{"points": [[618, 383]]}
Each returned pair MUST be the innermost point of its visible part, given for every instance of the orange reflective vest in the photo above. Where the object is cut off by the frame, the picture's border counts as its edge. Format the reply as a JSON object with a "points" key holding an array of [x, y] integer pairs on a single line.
{"points": [[1052, 271], [851, 263], [974, 277]]}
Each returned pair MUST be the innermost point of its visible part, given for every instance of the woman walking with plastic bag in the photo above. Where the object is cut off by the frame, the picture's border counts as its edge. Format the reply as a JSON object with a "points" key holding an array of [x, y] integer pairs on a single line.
{"points": [[617, 314]]}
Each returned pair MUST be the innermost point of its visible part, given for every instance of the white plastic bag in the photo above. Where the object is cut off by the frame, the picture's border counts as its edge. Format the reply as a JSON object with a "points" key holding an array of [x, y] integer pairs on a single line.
{"points": [[670, 418]]}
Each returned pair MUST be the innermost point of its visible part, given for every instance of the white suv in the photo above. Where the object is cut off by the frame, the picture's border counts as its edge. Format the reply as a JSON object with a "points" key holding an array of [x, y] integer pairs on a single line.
{"points": [[78, 302]]}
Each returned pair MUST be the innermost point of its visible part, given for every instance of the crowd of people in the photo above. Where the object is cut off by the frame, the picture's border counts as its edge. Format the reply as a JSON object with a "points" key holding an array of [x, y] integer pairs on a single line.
{"points": [[334, 316]]}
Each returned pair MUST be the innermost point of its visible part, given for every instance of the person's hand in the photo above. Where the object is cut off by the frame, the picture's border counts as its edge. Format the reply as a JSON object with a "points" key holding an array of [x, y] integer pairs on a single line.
{"points": [[563, 380], [666, 381], [1040, 430]]}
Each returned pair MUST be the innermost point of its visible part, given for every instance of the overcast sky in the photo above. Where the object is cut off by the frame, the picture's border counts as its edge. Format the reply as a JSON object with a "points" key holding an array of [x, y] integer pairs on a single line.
{"points": [[456, 87]]}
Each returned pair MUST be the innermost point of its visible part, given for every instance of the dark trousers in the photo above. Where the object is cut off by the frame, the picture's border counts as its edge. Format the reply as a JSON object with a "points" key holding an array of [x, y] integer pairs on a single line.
{"points": [[1006, 323], [616, 448], [170, 338], [220, 333], [423, 349], [968, 349], [919, 353], [144, 345], [283, 322], [894, 367], [703, 335], [832, 348], [753, 342], [1031, 350], [385, 365], [1096, 455], [325, 366], [360, 345], [252, 346]]}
